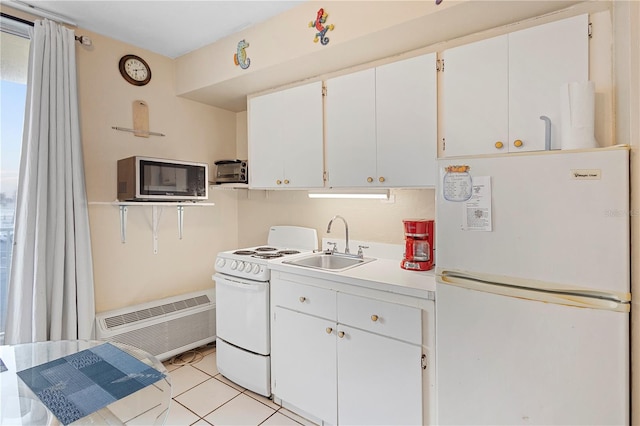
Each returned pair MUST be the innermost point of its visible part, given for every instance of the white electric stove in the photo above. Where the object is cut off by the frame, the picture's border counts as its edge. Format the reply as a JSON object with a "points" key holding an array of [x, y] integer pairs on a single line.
{"points": [[242, 305]]}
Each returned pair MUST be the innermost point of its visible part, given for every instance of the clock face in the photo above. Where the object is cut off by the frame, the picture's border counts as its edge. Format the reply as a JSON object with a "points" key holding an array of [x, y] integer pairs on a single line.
{"points": [[135, 70]]}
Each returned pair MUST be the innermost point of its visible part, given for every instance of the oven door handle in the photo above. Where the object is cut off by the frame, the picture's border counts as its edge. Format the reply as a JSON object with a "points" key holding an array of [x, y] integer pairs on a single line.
{"points": [[239, 283]]}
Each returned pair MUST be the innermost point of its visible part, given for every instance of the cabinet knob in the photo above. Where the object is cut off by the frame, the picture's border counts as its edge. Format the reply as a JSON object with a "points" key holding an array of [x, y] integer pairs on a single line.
{"points": [[279, 182], [499, 145], [341, 334], [302, 299], [369, 179], [381, 179], [329, 330], [374, 318], [286, 181], [517, 143]]}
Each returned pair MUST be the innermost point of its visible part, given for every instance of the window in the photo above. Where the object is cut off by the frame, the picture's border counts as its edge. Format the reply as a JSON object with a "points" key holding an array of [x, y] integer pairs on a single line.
{"points": [[14, 54]]}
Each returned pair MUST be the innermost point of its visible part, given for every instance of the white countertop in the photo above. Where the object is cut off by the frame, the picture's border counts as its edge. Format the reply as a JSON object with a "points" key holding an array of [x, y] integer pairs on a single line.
{"points": [[380, 274]]}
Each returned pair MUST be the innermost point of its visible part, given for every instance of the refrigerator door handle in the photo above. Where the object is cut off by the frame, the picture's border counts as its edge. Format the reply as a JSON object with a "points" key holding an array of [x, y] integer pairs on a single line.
{"points": [[537, 290]]}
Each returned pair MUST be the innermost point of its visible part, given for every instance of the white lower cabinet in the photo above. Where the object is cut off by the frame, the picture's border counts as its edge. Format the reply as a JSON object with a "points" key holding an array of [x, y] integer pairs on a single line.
{"points": [[305, 361], [379, 380], [346, 359]]}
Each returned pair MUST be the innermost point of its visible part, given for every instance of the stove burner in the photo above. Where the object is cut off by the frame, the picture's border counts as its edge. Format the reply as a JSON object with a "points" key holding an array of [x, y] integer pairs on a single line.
{"points": [[284, 252], [244, 252], [266, 248], [267, 255]]}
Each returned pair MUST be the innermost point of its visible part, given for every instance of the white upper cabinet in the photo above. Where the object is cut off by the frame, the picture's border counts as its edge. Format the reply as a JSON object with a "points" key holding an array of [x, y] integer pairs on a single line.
{"points": [[496, 90], [381, 126], [351, 129], [285, 139]]}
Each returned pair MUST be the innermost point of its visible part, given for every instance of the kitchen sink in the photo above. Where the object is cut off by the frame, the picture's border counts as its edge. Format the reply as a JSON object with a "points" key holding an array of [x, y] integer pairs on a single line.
{"points": [[329, 262]]}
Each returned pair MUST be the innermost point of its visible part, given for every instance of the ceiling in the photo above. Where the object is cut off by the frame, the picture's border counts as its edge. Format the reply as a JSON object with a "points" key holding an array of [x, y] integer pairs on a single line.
{"points": [[170, 28]]}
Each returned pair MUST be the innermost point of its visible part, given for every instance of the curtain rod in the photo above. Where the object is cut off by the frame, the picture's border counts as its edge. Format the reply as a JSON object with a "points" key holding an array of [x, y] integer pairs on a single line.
{"points": [[34, 10], [22, 21], [81, 39]]}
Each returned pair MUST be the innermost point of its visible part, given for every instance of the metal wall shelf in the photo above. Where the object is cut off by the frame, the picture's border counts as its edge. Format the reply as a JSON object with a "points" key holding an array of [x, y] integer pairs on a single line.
{"points": [[156, 213]]}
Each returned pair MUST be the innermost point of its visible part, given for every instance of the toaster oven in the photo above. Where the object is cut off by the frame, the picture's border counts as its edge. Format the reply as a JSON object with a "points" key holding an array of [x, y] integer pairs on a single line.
{"points": [[231, 171]]}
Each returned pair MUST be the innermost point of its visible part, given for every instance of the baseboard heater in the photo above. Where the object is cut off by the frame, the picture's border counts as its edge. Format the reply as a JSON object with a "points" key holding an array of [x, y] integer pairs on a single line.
{"points": [[165, 327]]}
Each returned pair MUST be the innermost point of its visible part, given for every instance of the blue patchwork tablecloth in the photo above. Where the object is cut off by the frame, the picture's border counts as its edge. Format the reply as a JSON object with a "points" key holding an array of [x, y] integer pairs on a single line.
{"points": [[77, 385]]}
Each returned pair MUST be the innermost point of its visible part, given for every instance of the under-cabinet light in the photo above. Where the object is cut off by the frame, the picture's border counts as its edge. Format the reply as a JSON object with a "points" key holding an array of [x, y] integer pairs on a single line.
{"points": [[377, 195]]}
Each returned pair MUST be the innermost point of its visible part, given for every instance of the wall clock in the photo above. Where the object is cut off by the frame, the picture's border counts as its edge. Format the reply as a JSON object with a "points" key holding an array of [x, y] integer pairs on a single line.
{"points": [[135, 70]]}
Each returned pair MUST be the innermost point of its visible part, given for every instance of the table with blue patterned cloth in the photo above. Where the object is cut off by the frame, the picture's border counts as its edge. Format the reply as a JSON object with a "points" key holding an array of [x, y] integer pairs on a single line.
{"points": [[82, 382]]}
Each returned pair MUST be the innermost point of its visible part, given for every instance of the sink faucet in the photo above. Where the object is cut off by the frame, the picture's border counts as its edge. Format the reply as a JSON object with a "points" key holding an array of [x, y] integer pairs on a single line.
{"points": [[346, 231]]}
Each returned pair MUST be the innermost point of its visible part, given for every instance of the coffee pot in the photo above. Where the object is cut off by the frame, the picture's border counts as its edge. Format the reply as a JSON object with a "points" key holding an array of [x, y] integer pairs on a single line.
{"points": [[418, 236]]}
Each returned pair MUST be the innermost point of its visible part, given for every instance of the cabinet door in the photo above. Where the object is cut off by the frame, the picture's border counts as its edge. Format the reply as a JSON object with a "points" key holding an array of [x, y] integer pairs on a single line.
{"points": [[302, 155], [265, 140], [541, 60], [285, 138], [379, 380], [351, 130], [475, 95], [303, 359], [406, 120]]}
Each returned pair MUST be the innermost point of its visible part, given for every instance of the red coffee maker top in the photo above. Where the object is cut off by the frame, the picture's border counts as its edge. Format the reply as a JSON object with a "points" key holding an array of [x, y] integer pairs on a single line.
{"points": [[416, 228]]}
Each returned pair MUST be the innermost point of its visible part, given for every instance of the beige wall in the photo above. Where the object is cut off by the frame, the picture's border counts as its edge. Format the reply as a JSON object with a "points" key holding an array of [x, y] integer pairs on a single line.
{"points": [[369, 220], [130, 273]]}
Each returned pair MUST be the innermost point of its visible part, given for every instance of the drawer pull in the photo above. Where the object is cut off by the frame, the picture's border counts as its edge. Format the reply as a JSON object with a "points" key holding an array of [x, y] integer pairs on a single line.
{"points": [[341, 334], [286, 181], [279, 182], [374, 318], [369, 179], [381, 179], [518, 143], [302, 299], [329, 330]]}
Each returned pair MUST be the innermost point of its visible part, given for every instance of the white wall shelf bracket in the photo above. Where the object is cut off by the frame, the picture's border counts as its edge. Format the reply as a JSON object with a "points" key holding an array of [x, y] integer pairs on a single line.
{"points": [[156, 213], [123, 224]]}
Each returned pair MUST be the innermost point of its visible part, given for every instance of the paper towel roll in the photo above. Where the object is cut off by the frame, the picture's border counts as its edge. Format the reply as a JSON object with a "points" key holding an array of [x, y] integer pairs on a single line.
{"points": [[577, 115]]}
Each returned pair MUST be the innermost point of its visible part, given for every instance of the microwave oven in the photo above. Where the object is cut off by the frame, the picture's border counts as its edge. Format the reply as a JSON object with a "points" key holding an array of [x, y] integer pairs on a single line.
{"points": [[231, 171], [157, 179]]}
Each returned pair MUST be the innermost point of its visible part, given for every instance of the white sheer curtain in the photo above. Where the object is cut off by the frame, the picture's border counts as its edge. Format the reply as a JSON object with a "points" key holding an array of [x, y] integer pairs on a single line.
{"points": [[51, 295]]}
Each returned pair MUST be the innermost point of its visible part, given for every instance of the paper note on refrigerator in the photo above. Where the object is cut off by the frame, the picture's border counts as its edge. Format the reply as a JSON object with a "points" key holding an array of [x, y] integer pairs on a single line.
{"points": [[476, 215]]}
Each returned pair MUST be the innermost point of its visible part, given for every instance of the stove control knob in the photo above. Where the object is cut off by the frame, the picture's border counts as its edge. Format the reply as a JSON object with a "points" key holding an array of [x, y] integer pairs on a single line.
{"points": [[256, 269], [234, 265], [240, 266], [220, 263], [247, 267]]}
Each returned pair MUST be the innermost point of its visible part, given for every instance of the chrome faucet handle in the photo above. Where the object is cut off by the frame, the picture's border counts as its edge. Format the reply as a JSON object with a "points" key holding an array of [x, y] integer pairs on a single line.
{"points": [[360, 253], [334, 249]]}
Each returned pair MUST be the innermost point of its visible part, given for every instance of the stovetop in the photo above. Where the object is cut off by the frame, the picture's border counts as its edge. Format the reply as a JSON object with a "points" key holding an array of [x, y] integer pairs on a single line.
{"points": [[265, 252], [252, 262]]}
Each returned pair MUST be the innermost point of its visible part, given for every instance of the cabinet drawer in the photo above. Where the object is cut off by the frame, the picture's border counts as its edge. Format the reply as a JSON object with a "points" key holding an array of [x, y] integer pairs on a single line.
{"points": [[304, 298], [388, 319]]}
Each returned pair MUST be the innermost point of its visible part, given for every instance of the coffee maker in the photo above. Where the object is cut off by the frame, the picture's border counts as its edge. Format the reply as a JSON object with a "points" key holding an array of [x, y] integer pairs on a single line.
{"points": [[418, 238]]}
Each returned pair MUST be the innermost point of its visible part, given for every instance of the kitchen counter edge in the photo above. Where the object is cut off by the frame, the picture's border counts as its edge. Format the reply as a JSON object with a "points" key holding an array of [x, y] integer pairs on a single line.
{"points": [[381, 274]]}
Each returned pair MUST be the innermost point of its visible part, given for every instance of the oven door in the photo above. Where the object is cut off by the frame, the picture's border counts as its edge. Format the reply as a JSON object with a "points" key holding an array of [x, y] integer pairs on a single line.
{"points": [[242, 313]]}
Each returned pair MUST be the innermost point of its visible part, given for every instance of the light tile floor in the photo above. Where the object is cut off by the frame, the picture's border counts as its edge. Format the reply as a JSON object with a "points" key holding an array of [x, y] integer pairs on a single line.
{"points": [[203, 397]]}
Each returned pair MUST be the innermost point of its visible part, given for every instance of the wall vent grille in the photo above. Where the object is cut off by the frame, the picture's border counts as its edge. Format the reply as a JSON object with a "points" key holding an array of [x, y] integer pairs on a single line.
{"points": [[163, 328], [154, 311]]}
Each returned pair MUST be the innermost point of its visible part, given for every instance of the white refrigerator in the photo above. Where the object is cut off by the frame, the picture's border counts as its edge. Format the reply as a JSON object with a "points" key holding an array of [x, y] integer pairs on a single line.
{"points": [[533, 288]]}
